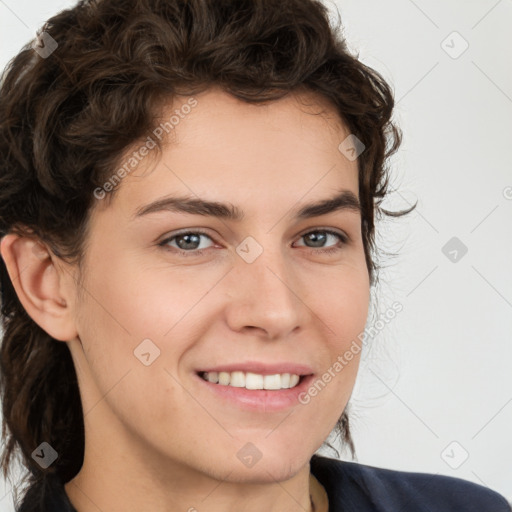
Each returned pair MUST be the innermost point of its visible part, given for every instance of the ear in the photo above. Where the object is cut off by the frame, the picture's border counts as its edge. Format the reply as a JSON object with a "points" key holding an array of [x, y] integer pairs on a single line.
{"points": [[42, 286]]}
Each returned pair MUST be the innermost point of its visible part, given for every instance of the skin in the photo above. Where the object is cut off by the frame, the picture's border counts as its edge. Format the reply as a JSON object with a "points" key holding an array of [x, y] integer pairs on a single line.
{"points": [[155, 438]]}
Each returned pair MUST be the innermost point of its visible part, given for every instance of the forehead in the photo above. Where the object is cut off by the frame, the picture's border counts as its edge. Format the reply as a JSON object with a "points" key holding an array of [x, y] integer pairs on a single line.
{"points": [[225, 148], [221, 120]]}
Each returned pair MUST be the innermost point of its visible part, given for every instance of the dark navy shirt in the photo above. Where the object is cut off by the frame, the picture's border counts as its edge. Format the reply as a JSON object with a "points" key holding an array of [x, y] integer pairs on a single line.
{"points": [[354, 487]]}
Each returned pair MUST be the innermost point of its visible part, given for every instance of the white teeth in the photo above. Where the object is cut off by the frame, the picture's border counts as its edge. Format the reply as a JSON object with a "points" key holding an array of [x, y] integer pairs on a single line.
{"points": [[272, 381], [253, 381], [250, 380], [224, 378], [294, 379], [237, 379], [213, 377]]}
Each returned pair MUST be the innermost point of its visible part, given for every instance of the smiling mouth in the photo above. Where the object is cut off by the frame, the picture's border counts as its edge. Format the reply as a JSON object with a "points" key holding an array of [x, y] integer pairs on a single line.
{"points": [[253, 381]]}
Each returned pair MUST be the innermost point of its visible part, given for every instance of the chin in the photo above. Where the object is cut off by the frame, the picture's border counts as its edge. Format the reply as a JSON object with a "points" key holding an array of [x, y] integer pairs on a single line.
{"points": [[277, 466]]}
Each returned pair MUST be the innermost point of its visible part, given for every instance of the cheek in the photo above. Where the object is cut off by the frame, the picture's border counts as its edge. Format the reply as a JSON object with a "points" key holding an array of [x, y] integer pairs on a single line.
{"points": [[116, 319], [343, 302], [136, 301], [139, 314], [340, 297], [344, 311]]}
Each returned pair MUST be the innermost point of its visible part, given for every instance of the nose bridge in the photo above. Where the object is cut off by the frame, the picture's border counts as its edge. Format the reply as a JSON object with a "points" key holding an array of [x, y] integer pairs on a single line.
{"points": [[264, 292]]}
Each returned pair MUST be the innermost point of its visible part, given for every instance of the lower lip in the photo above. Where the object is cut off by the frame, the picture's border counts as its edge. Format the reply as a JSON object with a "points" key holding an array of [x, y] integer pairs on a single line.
{"points": [[261, 400]]}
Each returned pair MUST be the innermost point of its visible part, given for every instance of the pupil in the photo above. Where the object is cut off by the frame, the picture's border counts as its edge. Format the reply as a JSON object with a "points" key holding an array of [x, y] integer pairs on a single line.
{"points": [[314, 238], [188, 237]]}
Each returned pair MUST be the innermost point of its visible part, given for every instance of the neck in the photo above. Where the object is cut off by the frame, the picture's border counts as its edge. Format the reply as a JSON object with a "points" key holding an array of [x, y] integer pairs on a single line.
{"points": [[119, 477]]}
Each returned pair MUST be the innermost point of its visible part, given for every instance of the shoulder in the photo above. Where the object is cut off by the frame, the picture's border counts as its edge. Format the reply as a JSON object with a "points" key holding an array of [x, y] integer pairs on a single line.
{"points": [[352, 486]]}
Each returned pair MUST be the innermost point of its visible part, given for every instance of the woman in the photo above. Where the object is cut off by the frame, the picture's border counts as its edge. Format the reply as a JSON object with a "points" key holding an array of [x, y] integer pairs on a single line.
{"points": [[188, 195]]}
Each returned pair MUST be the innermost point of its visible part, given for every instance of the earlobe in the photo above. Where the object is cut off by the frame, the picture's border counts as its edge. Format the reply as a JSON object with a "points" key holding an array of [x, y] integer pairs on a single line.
{"points": [[38, 283]]}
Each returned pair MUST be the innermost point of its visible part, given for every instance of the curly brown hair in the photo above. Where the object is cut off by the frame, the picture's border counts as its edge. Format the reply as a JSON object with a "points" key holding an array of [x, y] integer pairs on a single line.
{"points": [[66, 120]]}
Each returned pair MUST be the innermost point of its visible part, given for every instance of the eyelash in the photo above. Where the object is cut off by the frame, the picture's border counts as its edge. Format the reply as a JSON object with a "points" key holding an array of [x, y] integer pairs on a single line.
{"points": [[199, 252]]}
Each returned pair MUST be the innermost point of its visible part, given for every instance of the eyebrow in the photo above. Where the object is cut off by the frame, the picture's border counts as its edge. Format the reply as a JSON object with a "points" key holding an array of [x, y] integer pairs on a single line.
{"points": [[345, 200]]}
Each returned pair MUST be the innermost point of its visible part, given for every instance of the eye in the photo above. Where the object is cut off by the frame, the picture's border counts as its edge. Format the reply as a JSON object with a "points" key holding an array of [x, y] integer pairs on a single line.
{"points": [[312, 237], [187, 242]]}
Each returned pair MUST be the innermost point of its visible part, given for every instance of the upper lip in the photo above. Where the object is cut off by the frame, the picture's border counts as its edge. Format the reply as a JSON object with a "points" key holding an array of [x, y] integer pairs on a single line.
{"points": [[261, 368]]}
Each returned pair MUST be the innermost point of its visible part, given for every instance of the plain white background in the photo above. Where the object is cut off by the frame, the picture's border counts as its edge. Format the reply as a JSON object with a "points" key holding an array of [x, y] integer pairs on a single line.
{"points": [[434, 392]]}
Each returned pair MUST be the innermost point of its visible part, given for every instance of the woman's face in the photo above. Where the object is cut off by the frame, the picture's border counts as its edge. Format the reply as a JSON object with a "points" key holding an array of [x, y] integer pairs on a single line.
{"points": [[159, 306]]}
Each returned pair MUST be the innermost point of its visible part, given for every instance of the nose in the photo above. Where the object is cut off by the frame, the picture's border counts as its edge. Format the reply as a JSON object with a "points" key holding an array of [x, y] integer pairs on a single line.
{"points": [[266, 297]]}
